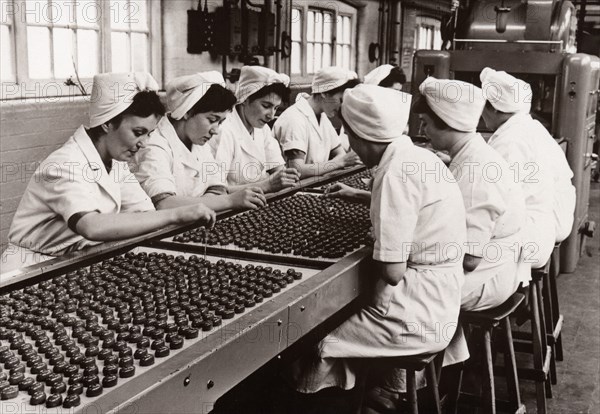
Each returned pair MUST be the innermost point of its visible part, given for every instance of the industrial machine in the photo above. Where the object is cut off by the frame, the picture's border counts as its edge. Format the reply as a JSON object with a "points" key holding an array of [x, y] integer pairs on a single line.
{"points": [[532, 40]]}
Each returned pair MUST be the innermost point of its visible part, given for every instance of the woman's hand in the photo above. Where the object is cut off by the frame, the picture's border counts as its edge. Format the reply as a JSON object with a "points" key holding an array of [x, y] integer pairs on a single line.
{"points": [[339, 190], [285, 178], [195, 213], [350, 159], [248, 198]]}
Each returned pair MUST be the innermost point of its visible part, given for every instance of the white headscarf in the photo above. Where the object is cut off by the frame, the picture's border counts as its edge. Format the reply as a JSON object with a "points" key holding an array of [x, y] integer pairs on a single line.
{"points": [[376, 114], [254, 78], [184, 92], [505, 92], [378, 74], [457, 103], [113, 93], [330, 78]]}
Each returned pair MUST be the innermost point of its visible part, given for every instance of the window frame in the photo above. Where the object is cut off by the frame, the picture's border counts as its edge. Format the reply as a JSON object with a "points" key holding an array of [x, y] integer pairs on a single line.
{"points": [[23, 87], [428, 23], [339, 9]]}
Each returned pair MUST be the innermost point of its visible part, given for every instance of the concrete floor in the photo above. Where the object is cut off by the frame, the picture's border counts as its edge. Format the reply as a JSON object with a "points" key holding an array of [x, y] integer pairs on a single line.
{"points": [[578, 388]]}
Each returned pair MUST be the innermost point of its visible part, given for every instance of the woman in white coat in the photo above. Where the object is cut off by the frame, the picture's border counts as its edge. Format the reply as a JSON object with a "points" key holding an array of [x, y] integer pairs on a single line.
{"points": [[245, 148], [176, 167], [516, 139], [494, 202], [309, 141], [419, 228], [83, 194]]}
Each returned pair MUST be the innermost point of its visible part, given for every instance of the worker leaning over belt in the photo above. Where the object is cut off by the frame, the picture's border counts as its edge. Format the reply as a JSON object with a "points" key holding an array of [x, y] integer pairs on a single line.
{"points": [[419, 227], [309, 141], [245, 147], [84, 193], [518, 138], [176, 167], [504, 99], [494, 202]]}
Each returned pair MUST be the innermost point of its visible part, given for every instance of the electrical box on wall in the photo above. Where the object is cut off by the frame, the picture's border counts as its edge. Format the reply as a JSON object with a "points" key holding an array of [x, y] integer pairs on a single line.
{"points": [[228, 33], [200, 30]]}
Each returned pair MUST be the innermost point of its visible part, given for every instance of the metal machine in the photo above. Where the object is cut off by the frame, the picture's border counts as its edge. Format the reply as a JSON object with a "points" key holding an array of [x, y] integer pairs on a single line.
{"points": [[532, 40]]}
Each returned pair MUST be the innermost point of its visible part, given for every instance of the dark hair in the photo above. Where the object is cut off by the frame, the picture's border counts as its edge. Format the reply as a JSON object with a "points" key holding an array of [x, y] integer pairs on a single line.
{"points": [[348, 85], [145, 103], [421, 106], [396, 76], [278, 89], [217, 98]]}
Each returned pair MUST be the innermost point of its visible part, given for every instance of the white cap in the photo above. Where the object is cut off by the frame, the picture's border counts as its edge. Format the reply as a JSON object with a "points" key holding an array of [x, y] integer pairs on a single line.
{"points": [[330, 78], [113, 93], [254, 78], [457, 103], [375, 113], [505, 92], [378, 74], [184, 92]]}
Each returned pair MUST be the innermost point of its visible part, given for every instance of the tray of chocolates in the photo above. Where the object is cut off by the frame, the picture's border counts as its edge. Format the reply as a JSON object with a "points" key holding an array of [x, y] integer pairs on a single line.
{"points": [[302, 225], [68, 340]]}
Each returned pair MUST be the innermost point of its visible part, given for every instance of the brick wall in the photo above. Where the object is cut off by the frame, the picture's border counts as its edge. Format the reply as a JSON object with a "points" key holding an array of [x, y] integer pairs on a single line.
{"points": [[29, 131]]}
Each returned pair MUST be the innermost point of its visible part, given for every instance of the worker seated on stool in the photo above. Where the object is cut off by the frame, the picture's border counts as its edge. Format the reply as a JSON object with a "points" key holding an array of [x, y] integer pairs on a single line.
{"points": [[503, 98], [507, 113], [419, 227], [494, 202]]}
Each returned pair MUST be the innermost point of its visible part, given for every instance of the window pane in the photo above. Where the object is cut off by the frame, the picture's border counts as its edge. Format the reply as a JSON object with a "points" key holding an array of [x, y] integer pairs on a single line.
{"points": [[310, 32], [327, 27], [347, 30], [346, 53], [38, 50], [139, 46], [296, 24], [89, 13], [339, 30], [326, 55], [5, 16], [87, 52], [318, 57], [119, 14], [120, 52], [319, 27], [310, 56], [37, 11], [6, 57], [338, 55], [138, 15], [63, 53], [296, 58], [63, 12]]}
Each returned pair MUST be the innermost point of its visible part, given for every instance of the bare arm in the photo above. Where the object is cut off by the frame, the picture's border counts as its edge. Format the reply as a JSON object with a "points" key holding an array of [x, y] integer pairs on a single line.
{"points": [[279, 179], [346, 192], [470, 262], [392, 273], [249, 198], [296, 159], [110, 227]]}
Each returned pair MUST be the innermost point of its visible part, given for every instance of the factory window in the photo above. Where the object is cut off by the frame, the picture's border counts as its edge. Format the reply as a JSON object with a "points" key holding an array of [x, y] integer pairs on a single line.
{"points": [[427, 34], [321, 37], [61, 40]]}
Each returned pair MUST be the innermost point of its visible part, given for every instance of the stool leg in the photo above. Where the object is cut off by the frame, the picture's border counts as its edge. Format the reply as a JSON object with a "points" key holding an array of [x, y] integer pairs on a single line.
{"points": [[556, 314], [489, 397], [432, 383], [510, 367], [538, 353], [411, 388], [546, 352], [453, 392], [549, 319]]}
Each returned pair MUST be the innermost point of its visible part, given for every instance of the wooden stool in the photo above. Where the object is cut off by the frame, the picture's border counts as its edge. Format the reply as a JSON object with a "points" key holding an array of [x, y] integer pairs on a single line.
{"points": [[553, 317], [432, 364], [488, 320], [536, 341]]}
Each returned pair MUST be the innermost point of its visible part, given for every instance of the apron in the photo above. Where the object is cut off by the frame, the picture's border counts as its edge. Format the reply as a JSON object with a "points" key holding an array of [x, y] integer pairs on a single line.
{"points": [[417, 316]]}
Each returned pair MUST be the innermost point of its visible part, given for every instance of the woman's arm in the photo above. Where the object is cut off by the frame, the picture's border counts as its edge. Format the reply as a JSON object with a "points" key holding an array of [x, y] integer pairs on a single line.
{"points": [[392, 273], [279, 178], [249, 198], [296, 160], [339, 190], [110, 227]]}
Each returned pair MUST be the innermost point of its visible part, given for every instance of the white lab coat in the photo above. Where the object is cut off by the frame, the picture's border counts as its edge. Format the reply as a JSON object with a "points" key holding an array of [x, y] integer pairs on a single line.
{"points": [[417, 218], [243, 157], [71, 180], [528, 162], [564, 191], [298, 129], [165, 165], [495, 214]]}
